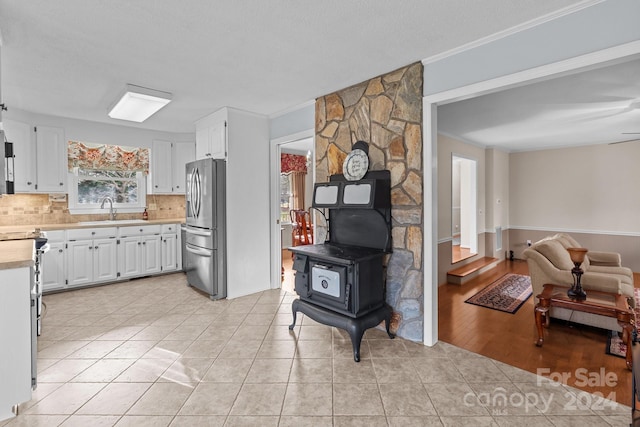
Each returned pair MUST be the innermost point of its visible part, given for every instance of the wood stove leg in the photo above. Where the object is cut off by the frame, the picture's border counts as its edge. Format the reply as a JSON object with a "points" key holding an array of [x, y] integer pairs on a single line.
{"points": [[294, 310], [356, 332]]}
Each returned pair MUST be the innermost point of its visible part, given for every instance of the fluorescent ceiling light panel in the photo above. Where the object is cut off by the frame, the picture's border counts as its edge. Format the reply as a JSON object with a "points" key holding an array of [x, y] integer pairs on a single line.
{"points": [[138, 103]]}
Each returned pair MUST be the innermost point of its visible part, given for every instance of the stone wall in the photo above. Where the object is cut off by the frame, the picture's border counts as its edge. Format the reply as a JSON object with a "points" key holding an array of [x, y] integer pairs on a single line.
{"points": [[385, 112]]}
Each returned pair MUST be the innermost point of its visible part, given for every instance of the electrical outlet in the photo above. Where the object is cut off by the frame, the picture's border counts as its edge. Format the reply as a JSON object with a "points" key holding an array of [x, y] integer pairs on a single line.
{"points": [[528, 242], [153, 206]]}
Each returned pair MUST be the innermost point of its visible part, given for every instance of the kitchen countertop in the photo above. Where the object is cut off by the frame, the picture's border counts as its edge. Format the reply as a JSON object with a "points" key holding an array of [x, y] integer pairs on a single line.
{"points": [[15, 229], [17, 244], [16, 254]]}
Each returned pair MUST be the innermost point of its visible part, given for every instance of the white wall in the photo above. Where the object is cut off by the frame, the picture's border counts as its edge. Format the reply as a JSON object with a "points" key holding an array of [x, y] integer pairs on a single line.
{"points": [[592, 189], [292, 122], [248, 244]]}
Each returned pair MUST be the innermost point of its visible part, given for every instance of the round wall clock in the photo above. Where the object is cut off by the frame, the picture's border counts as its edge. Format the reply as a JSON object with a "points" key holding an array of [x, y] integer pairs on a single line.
{"points": [[356, 164]]}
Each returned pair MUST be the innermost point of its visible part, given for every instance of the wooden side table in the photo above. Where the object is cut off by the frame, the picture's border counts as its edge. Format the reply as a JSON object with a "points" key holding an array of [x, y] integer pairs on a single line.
{"points": [[602, 303]]}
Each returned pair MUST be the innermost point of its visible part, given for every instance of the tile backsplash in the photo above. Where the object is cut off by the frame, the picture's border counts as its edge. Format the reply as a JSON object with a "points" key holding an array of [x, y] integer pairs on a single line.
{"points": [[35, 209]]}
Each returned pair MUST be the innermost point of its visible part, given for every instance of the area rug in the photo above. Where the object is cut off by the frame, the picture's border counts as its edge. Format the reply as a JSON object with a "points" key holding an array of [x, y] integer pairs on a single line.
{"points": [[615, 345], [507, 294]]}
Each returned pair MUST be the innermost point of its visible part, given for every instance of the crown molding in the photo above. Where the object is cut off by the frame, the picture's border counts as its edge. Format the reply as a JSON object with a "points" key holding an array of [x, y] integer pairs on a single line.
{"points": [[513, 30]]}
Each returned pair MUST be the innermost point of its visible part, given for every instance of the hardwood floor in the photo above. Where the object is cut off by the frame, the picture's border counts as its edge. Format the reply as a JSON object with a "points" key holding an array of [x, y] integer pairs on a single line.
{"points": [[459, 253], [574, 350]]}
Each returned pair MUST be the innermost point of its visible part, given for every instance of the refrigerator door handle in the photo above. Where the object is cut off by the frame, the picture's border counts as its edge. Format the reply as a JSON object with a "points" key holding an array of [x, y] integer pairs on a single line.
{"points": [[194, 197], [198, 194], [200, 252], [198, 232]]}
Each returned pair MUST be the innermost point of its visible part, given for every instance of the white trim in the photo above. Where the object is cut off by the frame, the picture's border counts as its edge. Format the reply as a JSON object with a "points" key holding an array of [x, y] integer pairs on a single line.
{"points": [[577, 230], [511, 31], [430, 221], [429, 154], [274, 193], [310, 133], [450, 238]]}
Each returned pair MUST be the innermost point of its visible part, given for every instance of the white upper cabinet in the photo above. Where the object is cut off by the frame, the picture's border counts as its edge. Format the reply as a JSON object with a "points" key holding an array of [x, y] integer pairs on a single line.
{"points": [[24, 151], [183, 153], [161, 166], [40, 162], [168, 166], [51, 160], [211, 137]]}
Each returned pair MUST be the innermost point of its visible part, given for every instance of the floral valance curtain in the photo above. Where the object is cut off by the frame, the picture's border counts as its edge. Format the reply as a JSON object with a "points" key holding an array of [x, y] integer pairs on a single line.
{"points": [[293, 163], [107, 157]]}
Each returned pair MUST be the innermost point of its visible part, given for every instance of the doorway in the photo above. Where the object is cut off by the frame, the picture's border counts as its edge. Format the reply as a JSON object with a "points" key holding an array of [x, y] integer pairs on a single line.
{"points": [[288, 194], [430, 152], [464, 202]]}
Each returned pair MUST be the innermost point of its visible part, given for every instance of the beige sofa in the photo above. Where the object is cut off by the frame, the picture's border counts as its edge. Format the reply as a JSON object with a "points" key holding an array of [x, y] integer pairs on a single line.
{"points": [[549, 262]]}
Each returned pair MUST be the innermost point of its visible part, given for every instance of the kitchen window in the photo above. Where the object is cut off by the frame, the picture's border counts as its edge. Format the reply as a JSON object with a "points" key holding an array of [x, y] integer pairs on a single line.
{"points": [[99, 171], [89, 187]]}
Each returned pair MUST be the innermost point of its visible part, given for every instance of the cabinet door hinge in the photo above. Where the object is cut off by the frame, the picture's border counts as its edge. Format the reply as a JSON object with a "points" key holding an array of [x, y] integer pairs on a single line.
{"points": [[66, 246], [66, 281], [117, 274], [35, 128]]}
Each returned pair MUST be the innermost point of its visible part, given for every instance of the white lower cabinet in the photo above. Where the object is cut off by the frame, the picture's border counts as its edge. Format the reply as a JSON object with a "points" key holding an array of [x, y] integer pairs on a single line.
{"points": [[91, 256], [170, 247], [139, 250], [53, 262], [15, 336], [82, 257]]}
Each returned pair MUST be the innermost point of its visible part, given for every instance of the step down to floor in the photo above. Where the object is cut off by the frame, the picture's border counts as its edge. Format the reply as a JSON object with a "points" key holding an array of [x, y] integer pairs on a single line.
{"points": [[463, 274]]}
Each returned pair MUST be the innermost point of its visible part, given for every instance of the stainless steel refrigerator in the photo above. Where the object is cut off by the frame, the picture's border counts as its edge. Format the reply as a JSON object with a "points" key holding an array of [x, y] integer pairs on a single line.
{"points": [[206, 237]]}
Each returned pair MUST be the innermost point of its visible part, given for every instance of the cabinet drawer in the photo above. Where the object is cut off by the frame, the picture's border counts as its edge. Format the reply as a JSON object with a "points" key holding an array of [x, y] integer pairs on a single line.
{"points": [[55, 236], [169, 228], [139, 230], [91, 233]]}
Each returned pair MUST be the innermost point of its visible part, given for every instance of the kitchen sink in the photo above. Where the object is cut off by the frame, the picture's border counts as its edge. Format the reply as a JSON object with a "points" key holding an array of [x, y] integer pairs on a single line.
{"points": [[113, 222]]}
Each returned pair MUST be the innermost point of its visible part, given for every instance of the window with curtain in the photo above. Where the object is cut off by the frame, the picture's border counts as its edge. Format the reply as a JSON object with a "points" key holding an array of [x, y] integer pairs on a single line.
{"points": [[293, 170], [98, 171]]}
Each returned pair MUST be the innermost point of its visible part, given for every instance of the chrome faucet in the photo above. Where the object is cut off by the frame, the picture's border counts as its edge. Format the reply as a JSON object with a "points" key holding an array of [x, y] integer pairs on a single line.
{"points": [[112, 212]]}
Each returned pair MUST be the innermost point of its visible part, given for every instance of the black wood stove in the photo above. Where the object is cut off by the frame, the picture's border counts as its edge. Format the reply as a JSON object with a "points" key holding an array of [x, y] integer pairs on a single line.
{"points": [[341, 282]]}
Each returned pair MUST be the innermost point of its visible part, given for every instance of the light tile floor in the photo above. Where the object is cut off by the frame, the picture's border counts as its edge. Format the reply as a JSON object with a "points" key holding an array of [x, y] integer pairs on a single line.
{"points": [[154, 352]]}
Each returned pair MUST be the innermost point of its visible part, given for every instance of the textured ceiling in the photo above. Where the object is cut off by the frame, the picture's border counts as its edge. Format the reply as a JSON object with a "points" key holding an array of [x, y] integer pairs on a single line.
{"points": [[70, 58], [592, 107]]}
